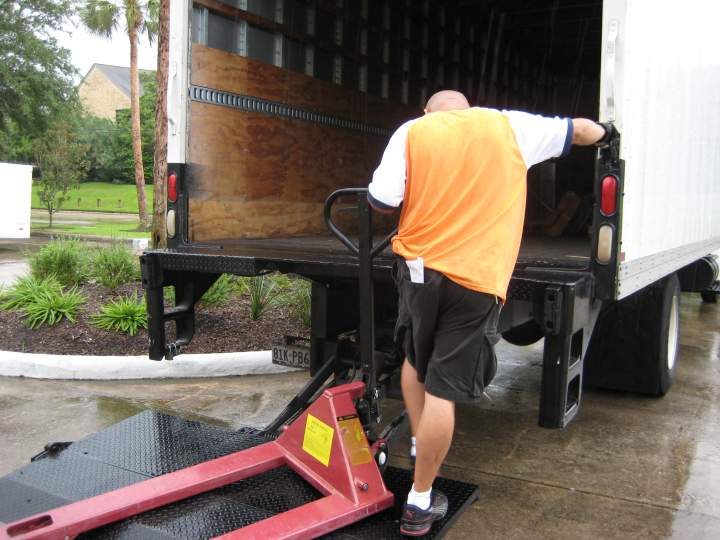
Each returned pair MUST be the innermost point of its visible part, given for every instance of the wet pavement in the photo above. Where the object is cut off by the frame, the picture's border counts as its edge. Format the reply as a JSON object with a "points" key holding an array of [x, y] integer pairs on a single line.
{"points": [[14, 258], [628, 467]]}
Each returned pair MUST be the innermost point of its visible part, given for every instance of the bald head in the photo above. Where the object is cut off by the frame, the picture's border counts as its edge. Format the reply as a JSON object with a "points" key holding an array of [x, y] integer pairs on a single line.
{"points": [[446, 100]]}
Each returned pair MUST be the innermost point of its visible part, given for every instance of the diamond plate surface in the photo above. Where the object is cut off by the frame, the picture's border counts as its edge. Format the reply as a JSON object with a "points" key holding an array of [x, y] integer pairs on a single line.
{"points": [[18, 500], [152, 443], [520, 289], [221, 510], [214, 264], [386, 525], [67, 477]]}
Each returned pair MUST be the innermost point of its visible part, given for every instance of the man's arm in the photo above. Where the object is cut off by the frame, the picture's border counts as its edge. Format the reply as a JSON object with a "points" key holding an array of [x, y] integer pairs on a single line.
{"points": [[587, 132], [387, 189], [541, 137]]}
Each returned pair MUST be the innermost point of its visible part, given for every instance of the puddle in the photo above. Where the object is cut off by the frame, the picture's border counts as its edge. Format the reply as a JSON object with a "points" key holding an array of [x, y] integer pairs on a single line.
{"points": [[112, 410]]}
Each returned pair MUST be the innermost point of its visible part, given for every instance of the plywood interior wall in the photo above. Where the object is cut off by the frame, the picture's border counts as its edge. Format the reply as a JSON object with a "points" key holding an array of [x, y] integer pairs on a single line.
{"points": [[256, 176]]}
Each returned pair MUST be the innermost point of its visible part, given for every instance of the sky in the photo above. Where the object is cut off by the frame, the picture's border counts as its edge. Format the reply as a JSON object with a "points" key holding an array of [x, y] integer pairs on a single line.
{"points": [[87, 50]]}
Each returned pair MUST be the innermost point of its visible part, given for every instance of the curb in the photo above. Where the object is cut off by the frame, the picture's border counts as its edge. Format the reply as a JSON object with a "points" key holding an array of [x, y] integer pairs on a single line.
{"points": [[98, 368]]}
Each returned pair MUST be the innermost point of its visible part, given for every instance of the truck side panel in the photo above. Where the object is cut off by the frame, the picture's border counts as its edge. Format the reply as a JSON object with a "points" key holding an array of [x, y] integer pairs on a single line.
{"points": [[178, 81], [667, 72]]}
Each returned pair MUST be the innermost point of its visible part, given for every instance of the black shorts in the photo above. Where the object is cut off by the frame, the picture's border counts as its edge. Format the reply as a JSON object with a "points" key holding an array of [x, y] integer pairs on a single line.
{"points": [[447, 332]]}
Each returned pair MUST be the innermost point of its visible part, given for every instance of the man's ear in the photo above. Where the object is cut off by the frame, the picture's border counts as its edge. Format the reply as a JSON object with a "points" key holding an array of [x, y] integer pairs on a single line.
{"points": [[425, 111]]}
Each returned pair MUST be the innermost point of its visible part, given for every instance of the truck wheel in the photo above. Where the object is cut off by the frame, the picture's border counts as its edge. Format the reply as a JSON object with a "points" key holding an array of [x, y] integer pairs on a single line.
{"points": [[709, 297], [525, 334], [635, 342]]}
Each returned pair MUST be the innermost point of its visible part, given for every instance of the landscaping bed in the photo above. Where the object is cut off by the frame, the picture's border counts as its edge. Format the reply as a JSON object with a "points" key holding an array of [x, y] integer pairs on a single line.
{"points": [[247, 314]]}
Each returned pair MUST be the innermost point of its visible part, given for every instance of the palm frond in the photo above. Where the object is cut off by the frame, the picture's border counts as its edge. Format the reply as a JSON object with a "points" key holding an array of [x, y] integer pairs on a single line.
{"points": [[151, 22], [100, 17], [134, 16]]}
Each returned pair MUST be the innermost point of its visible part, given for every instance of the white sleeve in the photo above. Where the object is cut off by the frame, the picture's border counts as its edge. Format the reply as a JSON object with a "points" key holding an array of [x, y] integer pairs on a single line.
{"points": [[540, 137], [388, 182]]}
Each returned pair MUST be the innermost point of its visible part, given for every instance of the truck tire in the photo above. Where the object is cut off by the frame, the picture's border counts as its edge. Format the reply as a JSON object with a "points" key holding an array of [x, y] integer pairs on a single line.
{"points": [[524, 334], [635, 342], [709, 297]]}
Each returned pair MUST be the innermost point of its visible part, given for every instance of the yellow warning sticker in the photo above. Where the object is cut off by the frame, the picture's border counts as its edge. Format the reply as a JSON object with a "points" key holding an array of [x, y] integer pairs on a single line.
{"points": [[354, 439], [318, 439]]}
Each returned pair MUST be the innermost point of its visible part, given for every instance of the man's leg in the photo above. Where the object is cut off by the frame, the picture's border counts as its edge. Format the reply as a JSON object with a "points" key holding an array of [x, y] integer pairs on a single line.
{"points": [[434, 435], [433, 430], [413, 394]]}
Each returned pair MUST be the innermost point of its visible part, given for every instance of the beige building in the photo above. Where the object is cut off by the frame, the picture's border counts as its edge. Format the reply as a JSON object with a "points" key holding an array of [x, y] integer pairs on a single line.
{"points": [[106, 89]]}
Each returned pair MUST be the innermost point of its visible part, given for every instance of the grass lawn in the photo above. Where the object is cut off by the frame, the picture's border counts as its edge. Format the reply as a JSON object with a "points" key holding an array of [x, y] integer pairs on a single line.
{"points": [[101, 197]]}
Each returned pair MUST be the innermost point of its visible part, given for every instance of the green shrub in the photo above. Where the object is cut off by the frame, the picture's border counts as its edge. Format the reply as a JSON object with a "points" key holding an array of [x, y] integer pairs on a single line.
{"points": [[26, 290], [282, 282], [126, 314], [66, 259], [299, 300], [220, 291], [52, 306], [169, 295], [115, 265], [242, 285], [264, 295]]}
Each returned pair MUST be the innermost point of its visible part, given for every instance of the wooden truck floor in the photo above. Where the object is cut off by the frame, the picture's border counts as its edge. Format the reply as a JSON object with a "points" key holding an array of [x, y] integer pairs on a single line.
{"points": [[562, 253]]}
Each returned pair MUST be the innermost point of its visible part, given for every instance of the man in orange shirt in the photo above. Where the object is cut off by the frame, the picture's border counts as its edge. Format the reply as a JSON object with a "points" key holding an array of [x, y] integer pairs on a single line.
{"points": [[460, 174]]}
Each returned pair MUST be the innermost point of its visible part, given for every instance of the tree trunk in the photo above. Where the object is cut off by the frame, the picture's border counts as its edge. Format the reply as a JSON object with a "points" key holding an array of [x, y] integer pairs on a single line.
{"points": [[50, 213], [135, 121], [159, 226]]}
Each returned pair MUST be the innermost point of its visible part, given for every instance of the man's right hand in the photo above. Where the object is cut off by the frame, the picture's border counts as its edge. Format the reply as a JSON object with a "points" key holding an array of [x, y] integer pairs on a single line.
{"points": [[588, 132], [610, 134]]}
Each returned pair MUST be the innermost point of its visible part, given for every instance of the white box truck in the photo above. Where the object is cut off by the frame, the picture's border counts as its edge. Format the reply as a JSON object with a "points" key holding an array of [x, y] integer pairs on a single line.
{"points": [[16, 181], [274, 105]]}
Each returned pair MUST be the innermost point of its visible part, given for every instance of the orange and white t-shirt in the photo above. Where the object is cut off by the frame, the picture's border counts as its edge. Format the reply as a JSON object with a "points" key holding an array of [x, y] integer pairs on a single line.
{"points": [[461, 179]]}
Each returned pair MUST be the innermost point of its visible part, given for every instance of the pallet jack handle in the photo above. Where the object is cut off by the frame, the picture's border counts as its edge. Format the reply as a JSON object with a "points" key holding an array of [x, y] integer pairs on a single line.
{"points": [[365, 252]]}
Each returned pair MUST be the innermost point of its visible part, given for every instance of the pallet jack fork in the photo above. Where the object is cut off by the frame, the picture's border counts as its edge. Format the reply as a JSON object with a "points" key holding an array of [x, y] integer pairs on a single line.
{"points": [[326, 445]]}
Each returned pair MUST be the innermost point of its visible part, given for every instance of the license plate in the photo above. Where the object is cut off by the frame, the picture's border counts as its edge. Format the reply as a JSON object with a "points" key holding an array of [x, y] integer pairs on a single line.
{"points": [[291, 355]]}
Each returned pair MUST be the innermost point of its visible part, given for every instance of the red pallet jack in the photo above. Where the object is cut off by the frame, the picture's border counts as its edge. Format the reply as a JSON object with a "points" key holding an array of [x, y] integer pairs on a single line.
{"points": [[323, 437], [326, 446]]}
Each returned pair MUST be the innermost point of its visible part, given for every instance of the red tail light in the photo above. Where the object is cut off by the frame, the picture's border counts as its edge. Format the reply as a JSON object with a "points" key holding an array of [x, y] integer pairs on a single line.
{"points": [[608, 195], [172, 187]]}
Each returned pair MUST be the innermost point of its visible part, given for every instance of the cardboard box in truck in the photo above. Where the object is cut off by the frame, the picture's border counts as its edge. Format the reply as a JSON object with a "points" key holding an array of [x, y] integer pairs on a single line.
{"points": [[273, 105]]}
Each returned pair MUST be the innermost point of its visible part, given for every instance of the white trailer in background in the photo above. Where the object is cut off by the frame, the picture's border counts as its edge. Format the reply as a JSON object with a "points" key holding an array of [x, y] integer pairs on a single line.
{"points": [[16, 185]]}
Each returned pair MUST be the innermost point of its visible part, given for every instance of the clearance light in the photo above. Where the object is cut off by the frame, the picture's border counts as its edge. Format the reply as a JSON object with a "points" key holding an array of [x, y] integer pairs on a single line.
{"points": [[172, 187], [605, 242], [608, 196], [170, 223]]}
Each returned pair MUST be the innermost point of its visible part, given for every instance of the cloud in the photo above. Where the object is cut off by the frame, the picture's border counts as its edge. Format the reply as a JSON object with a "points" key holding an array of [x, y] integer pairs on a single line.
{"points": [[87, 49]]}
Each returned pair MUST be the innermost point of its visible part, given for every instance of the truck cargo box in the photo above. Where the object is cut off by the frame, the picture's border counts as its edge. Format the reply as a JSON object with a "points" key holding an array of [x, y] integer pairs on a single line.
{"points": [[274, 105]]}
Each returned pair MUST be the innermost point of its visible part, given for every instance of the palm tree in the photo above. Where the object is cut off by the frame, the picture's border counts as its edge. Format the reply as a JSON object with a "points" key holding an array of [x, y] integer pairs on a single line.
{"points": [[102, 17], [159, 230]]}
